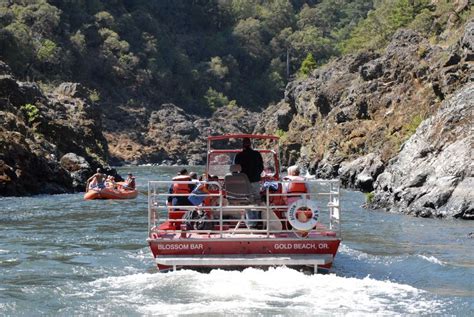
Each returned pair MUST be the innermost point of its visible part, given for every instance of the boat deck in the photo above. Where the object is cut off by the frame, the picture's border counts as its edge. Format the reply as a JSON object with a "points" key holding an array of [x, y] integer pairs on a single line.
{"points": [[242, 234]]}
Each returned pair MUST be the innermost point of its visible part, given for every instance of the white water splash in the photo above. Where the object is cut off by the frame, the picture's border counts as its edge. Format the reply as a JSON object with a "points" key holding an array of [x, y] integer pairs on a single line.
{"points": [[280, 291], [431, 259]]}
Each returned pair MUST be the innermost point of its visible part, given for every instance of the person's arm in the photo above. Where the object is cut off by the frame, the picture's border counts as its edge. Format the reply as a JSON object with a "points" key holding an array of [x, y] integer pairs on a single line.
{"points": [[259, 163], [237, 158]]}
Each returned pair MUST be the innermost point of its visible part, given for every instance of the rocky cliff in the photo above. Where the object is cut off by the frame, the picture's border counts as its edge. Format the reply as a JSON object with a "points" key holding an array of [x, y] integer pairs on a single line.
{"points": [[351, 118], [49, 143], [432, 175], [170, 135]]}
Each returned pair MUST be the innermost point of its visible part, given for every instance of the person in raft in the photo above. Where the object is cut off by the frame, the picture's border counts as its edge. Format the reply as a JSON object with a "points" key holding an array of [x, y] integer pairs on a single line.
{"points": [[129, 182], [96, 181], [110, 182]]}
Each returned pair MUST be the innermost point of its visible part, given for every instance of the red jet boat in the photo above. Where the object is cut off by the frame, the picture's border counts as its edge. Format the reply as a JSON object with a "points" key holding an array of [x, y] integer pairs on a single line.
{"points": [[216, 232]]}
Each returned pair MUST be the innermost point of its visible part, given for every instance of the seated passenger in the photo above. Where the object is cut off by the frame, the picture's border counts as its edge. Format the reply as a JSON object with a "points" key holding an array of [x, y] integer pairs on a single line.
{"points": [[268, 172], [180, 188], [296, 187], [110, 182], [129, 182], [202, 195]]}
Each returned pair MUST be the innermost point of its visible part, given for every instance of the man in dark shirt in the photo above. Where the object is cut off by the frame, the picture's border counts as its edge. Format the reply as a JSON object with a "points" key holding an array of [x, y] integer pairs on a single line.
{"points": [[250, 160], [251, 163]]}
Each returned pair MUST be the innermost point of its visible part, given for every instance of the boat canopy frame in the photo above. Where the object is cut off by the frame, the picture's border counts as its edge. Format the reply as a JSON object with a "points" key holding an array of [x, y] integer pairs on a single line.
{"points": [[275, 151]]}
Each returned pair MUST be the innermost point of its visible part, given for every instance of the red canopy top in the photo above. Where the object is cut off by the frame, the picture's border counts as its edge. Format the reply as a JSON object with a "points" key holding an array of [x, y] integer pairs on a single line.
{"points": [[241, 136]]}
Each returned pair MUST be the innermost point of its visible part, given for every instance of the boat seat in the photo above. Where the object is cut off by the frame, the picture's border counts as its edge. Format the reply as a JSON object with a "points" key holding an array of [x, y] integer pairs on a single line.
{"points": [[237, 187]]}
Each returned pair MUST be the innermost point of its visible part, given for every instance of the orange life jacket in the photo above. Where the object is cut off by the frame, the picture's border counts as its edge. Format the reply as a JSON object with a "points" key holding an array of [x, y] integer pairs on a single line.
{"points": [[294, 186], [208, 201], [181, 188]]}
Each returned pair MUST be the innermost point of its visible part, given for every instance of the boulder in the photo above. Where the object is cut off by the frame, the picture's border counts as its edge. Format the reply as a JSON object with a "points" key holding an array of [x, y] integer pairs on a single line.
{"points": [[371, 70], [361, 172], [73, 162], [467, 42], [73, 90]]}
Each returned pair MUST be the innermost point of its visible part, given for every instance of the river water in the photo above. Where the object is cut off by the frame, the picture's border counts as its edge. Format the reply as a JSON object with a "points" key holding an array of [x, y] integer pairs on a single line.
{"points": [[62, 256]]}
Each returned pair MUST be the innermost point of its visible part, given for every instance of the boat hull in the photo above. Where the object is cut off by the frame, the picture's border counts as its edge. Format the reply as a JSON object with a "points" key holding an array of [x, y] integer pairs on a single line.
{"points": [[108, 193], [210, 251]]}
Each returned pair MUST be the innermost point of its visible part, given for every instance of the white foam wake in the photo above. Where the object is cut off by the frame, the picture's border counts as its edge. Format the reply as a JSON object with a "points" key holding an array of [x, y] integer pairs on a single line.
{"points": [[279, 291]]}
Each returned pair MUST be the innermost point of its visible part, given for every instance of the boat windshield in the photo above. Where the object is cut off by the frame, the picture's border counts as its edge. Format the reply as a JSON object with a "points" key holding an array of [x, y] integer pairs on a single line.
{"points": [[219, 163]]}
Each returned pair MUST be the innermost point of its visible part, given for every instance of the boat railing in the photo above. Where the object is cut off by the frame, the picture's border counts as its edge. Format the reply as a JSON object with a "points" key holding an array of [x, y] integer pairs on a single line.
{"points": [[228, 217]]}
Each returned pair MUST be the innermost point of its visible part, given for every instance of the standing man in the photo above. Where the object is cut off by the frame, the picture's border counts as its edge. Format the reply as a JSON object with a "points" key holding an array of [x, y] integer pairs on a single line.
{"points": [[251, 162]]}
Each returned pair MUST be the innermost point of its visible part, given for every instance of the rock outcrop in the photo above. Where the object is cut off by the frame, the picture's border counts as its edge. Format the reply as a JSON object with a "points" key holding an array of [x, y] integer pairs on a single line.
{"points": [[169, 135], [49, 143], [432, 175], [361, 173], [349, 118]]}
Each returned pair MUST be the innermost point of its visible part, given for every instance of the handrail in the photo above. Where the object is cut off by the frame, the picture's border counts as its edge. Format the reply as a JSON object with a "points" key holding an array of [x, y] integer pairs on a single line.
{"points": [[159, 211]]}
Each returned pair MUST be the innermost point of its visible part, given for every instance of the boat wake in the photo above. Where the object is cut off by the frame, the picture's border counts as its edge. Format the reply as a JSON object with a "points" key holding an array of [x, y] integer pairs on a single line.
{"points": [[281, 291]]}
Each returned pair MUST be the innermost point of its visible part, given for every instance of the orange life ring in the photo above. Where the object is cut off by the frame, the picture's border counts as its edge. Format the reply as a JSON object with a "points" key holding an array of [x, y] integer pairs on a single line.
{"points": [[303, 214]]}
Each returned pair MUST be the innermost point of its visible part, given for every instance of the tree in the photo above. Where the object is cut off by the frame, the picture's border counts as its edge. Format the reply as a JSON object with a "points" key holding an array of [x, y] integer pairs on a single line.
{"points": [[376, 30], [311, 39], [218, 68], [250, 36], [104, 19], [215, 99], [308, 65], [48, 52]]}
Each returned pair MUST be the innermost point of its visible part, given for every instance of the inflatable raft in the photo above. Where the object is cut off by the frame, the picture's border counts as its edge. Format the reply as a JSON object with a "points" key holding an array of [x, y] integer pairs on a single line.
{"points": [[111, 193]]}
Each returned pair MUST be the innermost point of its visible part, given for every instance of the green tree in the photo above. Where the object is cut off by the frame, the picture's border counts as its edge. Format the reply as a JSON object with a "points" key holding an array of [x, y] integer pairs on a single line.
{"points": [[48, 52], [104, 19], [376, 30], [218, 68], [41, 17], [250, 36], [277, 15], [215, 99], [78, 40], [308, 65], [310, 39]]}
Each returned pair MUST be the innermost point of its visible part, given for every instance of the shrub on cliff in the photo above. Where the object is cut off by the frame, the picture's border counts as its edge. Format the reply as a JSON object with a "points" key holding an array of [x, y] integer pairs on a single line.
{"points": [[31, 112], [308, 65]]}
